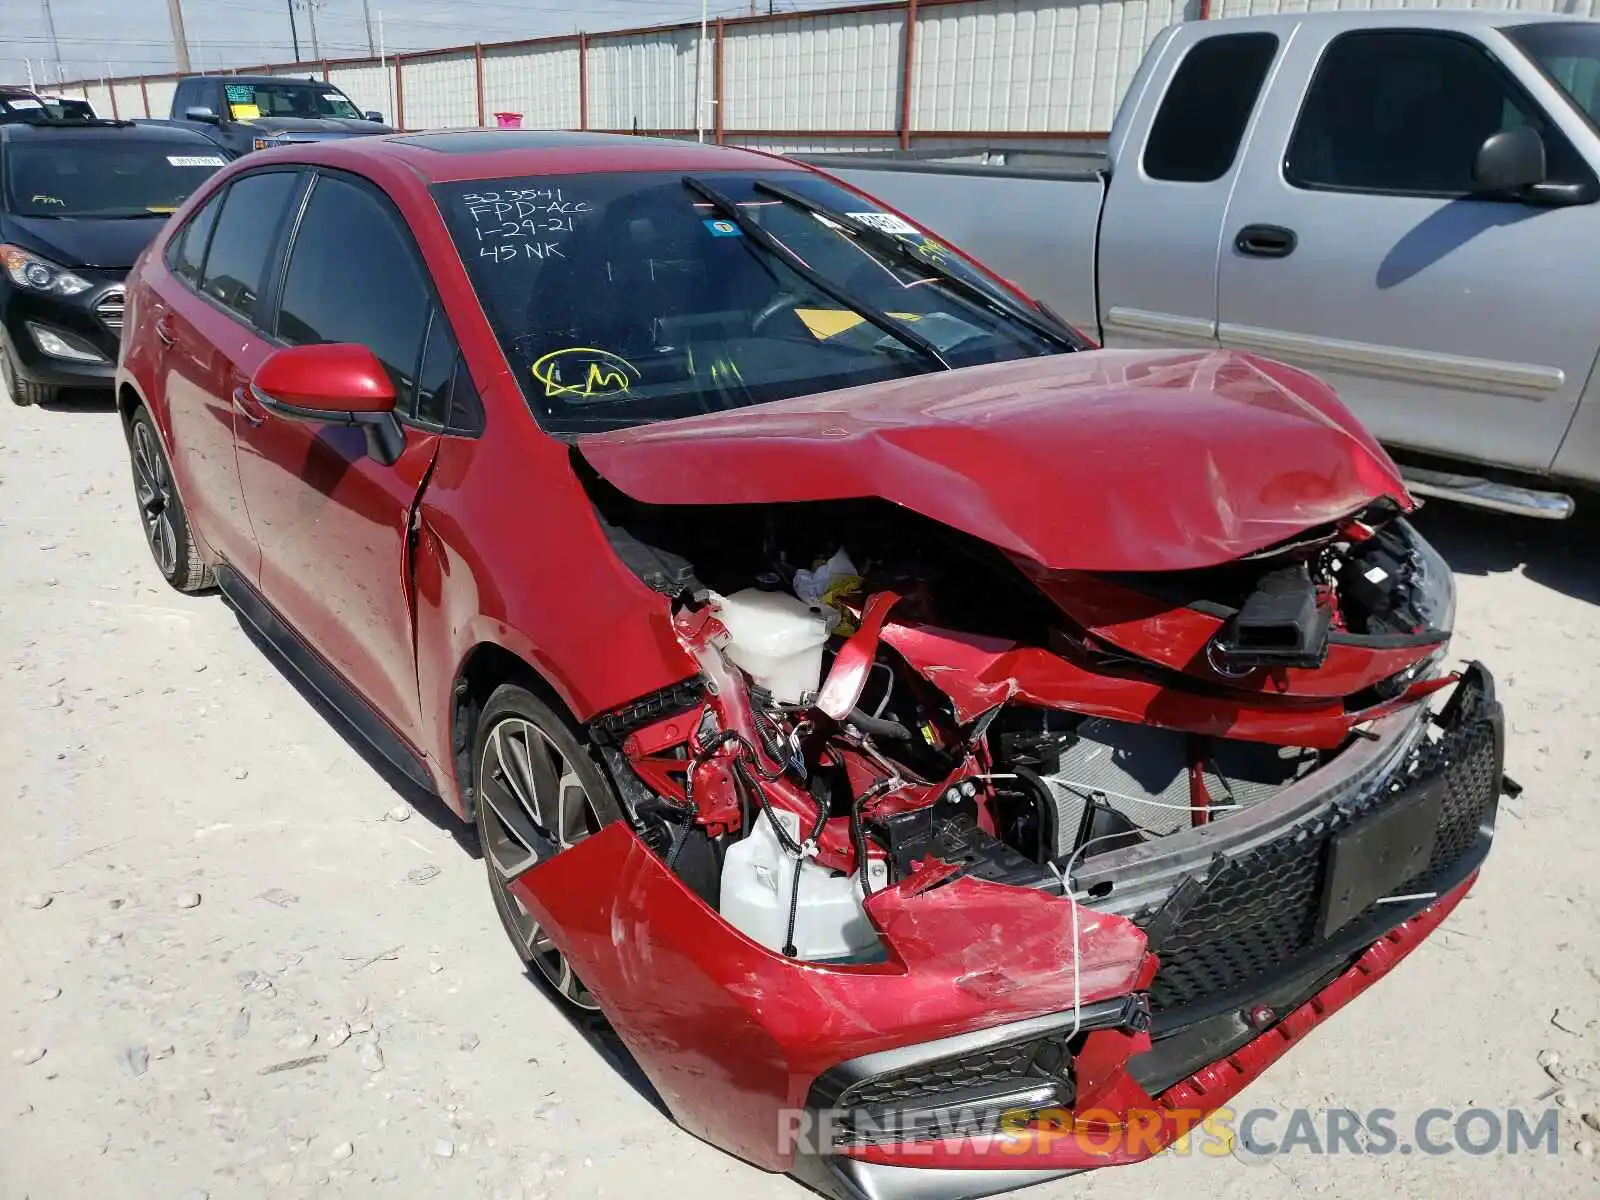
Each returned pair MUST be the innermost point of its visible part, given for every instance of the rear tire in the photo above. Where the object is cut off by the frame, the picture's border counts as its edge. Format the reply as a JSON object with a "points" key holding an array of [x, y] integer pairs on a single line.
{"points": [[23, 392], [531, 774], [161, 512]]}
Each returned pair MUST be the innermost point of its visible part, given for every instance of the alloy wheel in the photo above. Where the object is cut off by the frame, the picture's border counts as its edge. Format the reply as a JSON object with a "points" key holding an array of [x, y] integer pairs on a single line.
{"points": [[530, 795], [153, 490]]}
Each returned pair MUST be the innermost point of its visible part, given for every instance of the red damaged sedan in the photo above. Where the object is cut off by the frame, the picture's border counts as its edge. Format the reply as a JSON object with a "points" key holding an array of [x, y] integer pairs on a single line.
{"points": [[948, 755]]}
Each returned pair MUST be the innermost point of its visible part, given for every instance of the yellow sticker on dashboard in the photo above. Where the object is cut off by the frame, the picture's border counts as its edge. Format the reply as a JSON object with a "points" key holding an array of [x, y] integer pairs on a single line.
{"points": [[245, 112]]}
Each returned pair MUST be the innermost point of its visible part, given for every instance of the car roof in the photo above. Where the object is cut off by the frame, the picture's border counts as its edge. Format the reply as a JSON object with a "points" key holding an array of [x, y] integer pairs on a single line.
{"points": [[254, 79], [101, 130], [1396, 18], [455, 156]]}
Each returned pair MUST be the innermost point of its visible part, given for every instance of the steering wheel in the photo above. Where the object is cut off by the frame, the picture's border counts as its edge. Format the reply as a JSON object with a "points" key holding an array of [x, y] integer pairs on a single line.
{"points": [[782, 302]]}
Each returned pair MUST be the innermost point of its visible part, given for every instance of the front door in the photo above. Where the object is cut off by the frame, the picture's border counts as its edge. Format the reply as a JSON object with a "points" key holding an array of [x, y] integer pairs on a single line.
{"points": [[333, 522], [1450, 323]]}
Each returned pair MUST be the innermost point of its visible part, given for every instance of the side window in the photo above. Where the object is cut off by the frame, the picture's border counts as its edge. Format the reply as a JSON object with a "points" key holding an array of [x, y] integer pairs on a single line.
{"points": [[236, 265], [438, 373], [1196, 132], [187, 251], [186, 97], [355, 276], [1406, 112]]}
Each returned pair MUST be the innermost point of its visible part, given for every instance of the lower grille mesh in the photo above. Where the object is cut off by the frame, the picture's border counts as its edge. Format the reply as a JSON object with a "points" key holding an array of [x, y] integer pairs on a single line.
{"points": [[1258, 913]]}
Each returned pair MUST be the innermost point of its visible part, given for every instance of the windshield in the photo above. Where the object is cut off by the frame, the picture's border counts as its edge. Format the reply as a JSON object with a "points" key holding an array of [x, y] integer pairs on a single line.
{"points": [[621, 299], [1569, 54], [311, 101], [64, 109], [77, 176]]}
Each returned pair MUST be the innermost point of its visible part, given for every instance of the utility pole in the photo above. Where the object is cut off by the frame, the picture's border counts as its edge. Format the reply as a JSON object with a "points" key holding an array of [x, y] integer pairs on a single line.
{"points": [[311, 14], [50, 24], [366, 16], [294, 33], [180, 43]]}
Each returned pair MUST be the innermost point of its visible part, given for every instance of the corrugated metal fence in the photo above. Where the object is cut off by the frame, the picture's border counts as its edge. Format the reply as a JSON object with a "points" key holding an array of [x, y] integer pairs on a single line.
{"points": [[935, 73]]}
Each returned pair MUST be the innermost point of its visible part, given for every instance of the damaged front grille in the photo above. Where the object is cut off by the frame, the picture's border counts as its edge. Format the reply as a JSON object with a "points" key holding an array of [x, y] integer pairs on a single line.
{"points": [[1039, 1058], [1256, 917]]}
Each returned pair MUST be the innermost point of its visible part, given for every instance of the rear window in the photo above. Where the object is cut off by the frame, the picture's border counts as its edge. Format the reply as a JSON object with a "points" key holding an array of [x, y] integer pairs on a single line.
{"points": [[621, 299], [1195, 136], [77, 176]]}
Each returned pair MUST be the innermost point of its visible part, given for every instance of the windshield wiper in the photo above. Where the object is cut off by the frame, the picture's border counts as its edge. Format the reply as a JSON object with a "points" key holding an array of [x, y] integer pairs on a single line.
{"points": [[907, 253], [730, 209]]}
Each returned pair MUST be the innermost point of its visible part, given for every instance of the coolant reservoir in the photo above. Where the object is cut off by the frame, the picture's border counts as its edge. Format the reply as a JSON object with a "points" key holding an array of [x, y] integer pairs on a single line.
{"points": [[758, 882], [775, 639]]}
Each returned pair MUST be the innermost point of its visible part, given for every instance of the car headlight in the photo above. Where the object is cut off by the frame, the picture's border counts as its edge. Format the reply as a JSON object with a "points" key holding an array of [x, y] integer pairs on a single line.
{"points": [[1433, 584], [37, 274]]}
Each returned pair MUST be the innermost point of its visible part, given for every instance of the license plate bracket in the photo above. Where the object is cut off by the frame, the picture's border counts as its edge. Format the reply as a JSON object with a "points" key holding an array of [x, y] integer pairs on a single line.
{"points": [[1377, 854]]}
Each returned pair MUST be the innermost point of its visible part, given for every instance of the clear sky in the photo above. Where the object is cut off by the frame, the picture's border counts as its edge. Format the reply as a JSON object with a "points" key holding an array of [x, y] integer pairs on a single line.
{"points": [[135, 36]]}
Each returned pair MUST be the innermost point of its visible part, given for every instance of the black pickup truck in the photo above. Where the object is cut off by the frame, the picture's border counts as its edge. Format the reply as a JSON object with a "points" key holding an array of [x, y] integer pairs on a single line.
{"points": [[253, 112]]}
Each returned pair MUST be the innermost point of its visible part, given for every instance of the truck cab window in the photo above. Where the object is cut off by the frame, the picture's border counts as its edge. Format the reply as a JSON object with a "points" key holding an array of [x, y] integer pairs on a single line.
{"points": [[1196, 133], [1405, 112]]}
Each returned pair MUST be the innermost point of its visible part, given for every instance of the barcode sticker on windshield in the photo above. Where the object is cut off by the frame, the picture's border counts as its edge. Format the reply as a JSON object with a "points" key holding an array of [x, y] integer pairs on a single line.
{"points": [[197, 160], [887, 222]]}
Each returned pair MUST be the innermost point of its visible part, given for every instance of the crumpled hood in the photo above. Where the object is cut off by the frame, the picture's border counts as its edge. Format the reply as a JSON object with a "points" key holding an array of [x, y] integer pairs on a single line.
{"points": [[1109, 460]]}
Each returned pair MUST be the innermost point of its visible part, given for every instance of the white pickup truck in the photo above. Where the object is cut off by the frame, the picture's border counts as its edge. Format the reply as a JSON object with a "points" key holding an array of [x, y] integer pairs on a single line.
{"points": [[1403, 202]]}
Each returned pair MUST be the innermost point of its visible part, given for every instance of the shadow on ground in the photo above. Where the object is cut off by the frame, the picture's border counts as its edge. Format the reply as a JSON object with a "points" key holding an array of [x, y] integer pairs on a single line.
{"points": [[1562, 555], [424, 802], [590, 1026], [82, 400]]}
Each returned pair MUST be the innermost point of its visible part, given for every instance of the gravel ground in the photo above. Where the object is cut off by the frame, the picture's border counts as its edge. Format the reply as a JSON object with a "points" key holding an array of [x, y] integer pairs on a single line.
{"points": [[235, 961]]}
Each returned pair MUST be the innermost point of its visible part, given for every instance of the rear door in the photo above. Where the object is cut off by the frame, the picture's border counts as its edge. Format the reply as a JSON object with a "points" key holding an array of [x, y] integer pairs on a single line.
{"points": [[212, 346], [1168, 195], [1448, 322], [333, 523]]}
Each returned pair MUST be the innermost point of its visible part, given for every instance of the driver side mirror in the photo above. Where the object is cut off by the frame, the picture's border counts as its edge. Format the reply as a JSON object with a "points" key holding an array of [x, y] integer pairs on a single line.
{"points": [[1510, 161], [201, 113], [337, 384], [374, 116]]}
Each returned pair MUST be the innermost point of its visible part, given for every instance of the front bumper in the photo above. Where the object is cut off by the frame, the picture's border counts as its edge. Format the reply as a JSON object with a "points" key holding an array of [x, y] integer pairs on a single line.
{"points": [[92, 318], [1173, 1006], [1243, 976]]}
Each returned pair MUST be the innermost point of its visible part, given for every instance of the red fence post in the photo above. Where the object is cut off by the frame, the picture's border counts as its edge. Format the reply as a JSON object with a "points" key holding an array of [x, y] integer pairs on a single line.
{"points": [[399, 96], [111, 87], [144, 94], [477, 70], [324, 70], [909, 51], [583, 81], [716, 83]]}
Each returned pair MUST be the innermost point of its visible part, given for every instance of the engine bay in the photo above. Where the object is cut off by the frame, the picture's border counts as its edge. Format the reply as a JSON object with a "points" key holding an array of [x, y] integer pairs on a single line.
{"points": [[885, 701]]}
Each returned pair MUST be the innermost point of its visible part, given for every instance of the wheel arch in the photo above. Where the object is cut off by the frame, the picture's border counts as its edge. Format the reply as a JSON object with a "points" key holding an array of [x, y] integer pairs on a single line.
{"points": [[485, 666]]}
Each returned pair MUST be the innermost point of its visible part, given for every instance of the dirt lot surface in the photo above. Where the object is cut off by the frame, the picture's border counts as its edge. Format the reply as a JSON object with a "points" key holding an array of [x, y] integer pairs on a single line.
{"points": [[228, 967]]}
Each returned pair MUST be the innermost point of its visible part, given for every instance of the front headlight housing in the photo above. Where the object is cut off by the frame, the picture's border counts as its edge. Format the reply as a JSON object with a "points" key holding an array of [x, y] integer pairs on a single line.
{"points": [[35, 273], [1433, 584]]}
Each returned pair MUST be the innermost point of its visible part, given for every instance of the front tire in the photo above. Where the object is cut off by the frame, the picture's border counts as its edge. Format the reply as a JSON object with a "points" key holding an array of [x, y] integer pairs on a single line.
{"points": [[23, 392], [532, 776], [161, 512]]}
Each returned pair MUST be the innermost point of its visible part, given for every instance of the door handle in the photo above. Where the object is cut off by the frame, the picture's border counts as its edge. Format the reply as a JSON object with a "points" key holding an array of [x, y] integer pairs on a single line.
{"points": [[245, 406], [1265, 241], [164, 329]]}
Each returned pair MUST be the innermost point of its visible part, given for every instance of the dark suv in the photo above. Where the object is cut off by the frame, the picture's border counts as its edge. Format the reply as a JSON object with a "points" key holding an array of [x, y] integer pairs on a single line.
{"points": [[79, 201], [253, 112]]}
